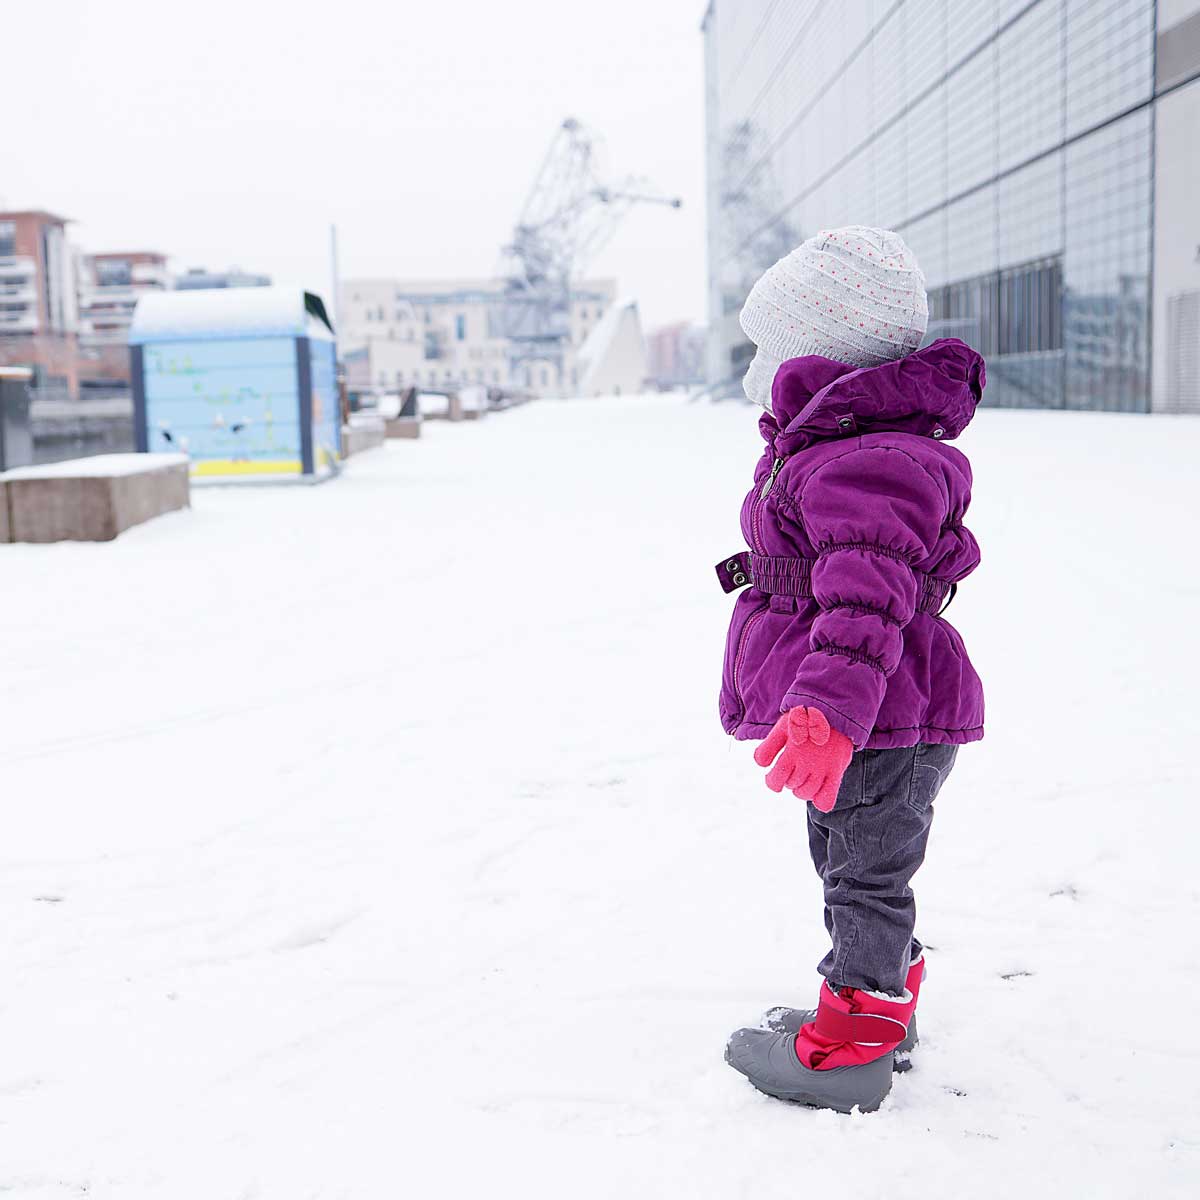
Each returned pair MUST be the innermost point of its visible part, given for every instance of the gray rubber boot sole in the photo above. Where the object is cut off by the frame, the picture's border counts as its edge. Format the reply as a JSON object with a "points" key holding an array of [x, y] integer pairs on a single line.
{"points": [[768, 1060], [789, 1020]]}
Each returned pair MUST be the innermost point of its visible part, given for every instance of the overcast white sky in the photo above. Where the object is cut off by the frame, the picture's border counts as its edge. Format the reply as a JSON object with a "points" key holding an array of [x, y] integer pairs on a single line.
{"points": [[236, 131]]}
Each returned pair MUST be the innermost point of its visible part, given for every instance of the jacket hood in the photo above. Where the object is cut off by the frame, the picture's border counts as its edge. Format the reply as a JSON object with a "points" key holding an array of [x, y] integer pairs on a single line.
{"points": [[931, 392]]}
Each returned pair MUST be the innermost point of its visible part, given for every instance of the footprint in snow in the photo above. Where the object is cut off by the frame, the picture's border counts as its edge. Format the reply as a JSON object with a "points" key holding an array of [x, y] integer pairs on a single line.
{"points": [[315, 934]]}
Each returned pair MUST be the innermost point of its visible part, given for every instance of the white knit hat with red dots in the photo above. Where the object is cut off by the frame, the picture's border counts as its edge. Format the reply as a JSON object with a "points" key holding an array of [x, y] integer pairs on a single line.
{"points": [[854, 294]]}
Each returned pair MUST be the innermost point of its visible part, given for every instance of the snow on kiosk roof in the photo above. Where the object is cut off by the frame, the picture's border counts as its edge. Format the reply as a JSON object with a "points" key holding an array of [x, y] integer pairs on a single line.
{"points": [[213, 313]]}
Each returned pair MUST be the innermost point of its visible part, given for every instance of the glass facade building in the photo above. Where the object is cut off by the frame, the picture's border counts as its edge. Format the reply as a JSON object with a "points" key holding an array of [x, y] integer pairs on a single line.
{"points": [[1015, 146]]}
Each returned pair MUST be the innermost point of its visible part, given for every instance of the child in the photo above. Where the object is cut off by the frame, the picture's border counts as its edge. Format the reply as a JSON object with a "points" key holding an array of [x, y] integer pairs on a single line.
{"points": [[838, 656]]}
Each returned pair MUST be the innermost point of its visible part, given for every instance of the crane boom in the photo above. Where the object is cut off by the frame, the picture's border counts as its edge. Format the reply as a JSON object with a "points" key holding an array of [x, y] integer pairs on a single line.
{"points": [[568, 216]]}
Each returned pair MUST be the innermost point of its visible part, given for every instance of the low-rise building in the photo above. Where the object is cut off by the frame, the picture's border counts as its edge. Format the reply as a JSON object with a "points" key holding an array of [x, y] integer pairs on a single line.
{"points": [[427, 333], [38, 315], [675, 355]]}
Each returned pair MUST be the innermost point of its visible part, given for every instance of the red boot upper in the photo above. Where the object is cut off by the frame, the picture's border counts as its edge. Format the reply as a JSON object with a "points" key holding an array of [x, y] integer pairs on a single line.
{"points": [[854, 1027]]}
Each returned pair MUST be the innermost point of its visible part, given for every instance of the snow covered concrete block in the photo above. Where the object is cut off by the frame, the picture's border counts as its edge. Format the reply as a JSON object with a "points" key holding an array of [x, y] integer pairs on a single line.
{"points": [[474, 398], [404, 427], [363, 433], [92, 499]]}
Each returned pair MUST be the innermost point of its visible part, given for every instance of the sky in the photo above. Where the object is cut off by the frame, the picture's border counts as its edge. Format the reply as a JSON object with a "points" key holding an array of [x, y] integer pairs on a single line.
{"points": [[239, 132]]}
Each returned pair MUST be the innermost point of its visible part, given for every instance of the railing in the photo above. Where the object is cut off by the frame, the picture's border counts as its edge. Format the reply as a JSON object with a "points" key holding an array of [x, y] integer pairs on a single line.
{"points": [[19, 265], [20, 322]]}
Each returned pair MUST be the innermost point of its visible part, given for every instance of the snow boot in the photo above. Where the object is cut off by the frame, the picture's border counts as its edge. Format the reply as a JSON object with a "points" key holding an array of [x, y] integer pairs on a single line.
{"points": [[841, 1060], [790, 1020]]}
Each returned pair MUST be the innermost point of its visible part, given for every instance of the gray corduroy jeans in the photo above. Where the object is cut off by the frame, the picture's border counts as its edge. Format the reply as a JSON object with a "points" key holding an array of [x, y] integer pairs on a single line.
{"points": [[866, 850]]}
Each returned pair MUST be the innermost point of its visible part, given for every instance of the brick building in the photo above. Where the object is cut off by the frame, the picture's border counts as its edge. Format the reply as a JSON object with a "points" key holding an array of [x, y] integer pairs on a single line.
{"points": [[38, 313], [675, 355]]}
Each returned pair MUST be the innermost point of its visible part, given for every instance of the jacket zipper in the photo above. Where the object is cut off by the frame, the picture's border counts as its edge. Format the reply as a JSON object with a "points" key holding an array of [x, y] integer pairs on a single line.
{"points": [[757, 547], [756, 513], [770, 480], [751, 621]]}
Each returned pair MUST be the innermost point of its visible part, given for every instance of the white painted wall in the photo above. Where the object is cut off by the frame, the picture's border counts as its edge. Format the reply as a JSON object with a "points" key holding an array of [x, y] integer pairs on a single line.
{"points": [[613, 359]]}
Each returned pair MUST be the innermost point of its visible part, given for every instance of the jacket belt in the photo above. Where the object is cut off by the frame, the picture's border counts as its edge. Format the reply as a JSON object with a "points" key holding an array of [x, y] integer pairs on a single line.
{"points": [[790, 576]]}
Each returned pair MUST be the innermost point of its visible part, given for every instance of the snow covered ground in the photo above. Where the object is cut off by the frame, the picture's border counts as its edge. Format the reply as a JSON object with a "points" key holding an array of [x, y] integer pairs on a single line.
{"points": [[379, 839]]}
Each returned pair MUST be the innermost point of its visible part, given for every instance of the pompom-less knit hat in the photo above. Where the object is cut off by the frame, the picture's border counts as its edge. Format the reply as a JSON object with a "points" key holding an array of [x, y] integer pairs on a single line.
{"points": [[854, 294]]}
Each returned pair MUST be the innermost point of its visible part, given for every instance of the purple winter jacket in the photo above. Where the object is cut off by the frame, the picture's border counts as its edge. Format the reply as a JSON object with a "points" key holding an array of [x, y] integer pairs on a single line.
{"points": [[855, 526]]}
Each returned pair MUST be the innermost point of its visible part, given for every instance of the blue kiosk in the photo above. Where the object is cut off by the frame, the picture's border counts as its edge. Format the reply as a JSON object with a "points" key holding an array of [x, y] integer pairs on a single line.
{"points": [[242, 380]]}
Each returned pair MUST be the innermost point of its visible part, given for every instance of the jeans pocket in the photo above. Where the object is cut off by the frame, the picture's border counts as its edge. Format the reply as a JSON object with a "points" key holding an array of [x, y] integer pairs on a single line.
{"points": [[853, 790], [931, 765]]}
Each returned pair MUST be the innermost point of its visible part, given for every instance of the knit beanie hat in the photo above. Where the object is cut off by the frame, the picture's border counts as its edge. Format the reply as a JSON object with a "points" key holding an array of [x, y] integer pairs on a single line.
{"points": [[854, 294]]}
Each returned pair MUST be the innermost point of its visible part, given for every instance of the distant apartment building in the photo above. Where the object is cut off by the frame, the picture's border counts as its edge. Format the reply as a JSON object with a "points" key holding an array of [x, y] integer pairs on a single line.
{"points": [[110, 286], [38, 316], [675, 355], [235, 277], [447, 333]]}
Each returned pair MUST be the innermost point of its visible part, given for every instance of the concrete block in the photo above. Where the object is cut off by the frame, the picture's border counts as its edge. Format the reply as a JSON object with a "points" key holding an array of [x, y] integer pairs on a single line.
{"points": [[93, 499], [454, 407], [404, 427], [363, 433]]}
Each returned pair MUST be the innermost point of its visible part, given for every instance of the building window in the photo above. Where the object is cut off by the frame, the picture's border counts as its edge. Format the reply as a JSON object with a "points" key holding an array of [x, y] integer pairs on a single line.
{"points": [[460, 327], [8, 239], [113, 272], [1014, 311]]}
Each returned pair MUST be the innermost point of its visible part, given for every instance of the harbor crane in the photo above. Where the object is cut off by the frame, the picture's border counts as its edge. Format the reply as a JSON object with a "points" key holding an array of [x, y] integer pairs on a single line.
{"points": [[569, 215]]}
